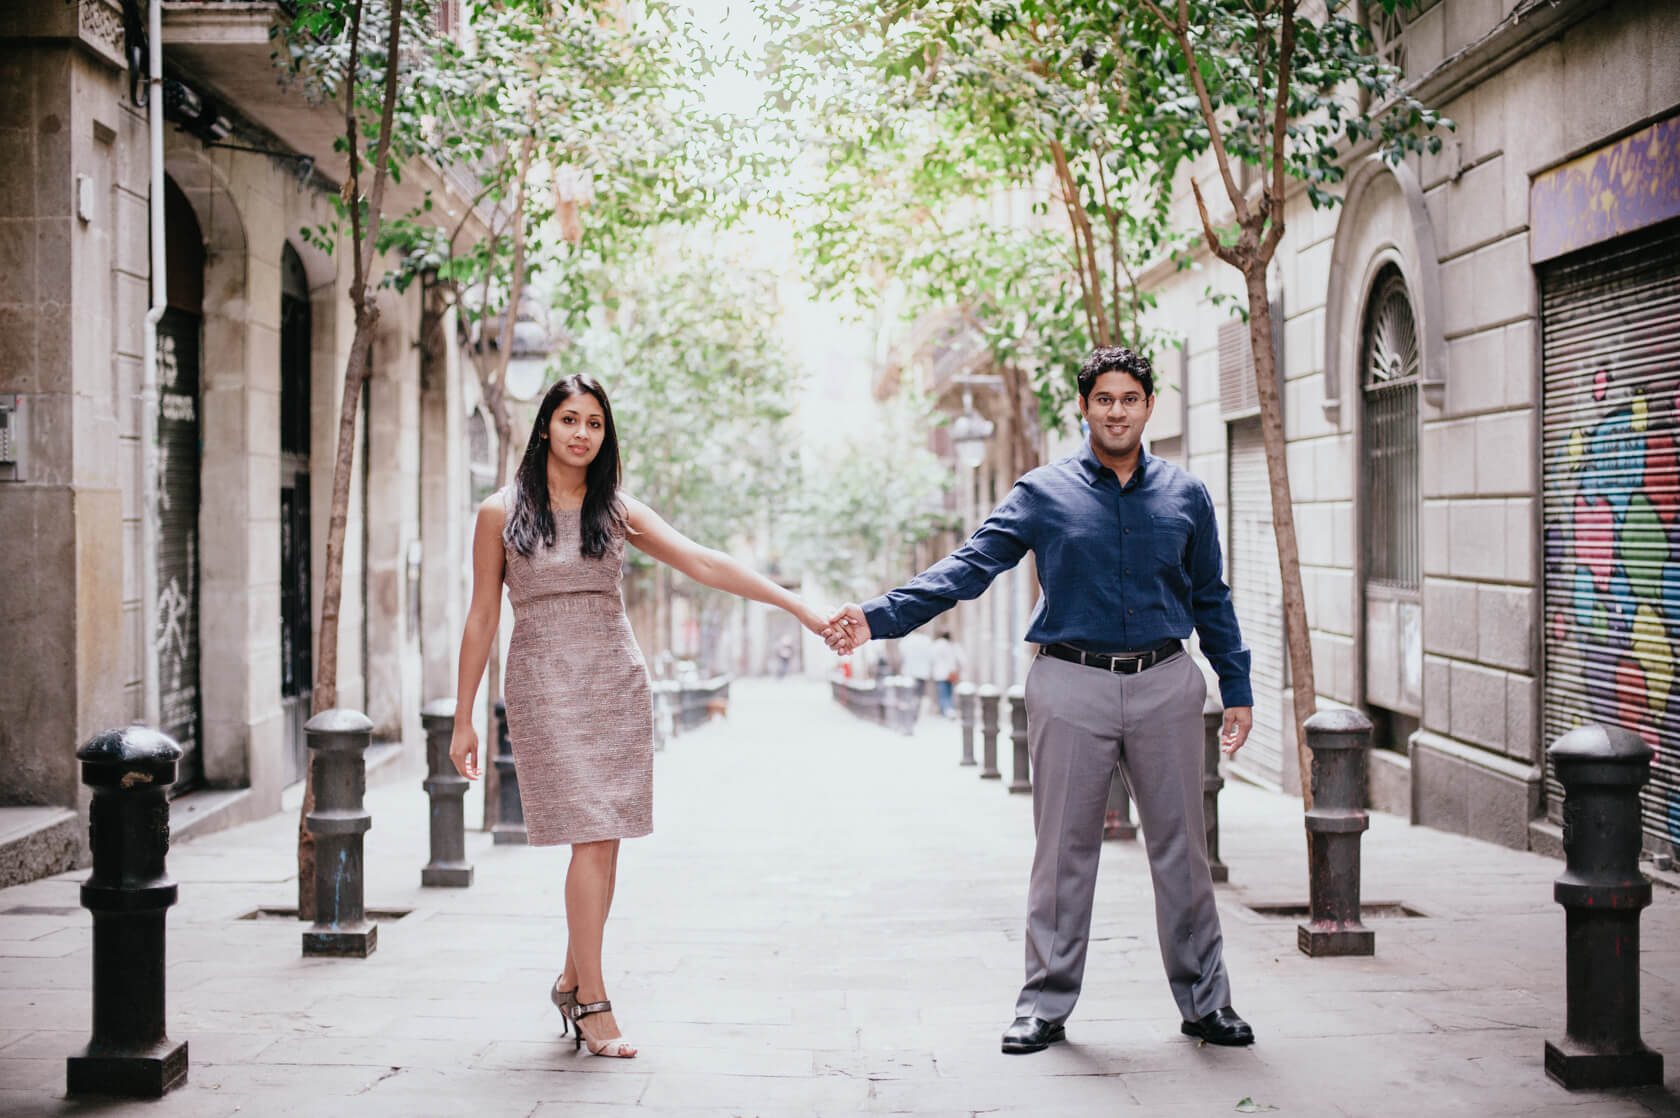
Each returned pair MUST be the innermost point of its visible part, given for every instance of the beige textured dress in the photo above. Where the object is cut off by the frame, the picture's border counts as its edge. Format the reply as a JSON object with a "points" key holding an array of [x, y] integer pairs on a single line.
{"points": [[579, 708]]}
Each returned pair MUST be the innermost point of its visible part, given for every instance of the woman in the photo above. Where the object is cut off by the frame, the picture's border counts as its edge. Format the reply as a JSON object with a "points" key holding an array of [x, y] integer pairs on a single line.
{"points": [[579, 708]]}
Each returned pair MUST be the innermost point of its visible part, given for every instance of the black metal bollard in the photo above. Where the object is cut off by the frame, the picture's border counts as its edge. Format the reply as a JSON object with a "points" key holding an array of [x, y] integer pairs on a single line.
{"points": [[965, 714], [1117, 816], [338, 741], [129, 893], [1340, 741], [1602, 892], [988, 697], [1213, 719], [509, 828], [447, 790], [1021, 781]]}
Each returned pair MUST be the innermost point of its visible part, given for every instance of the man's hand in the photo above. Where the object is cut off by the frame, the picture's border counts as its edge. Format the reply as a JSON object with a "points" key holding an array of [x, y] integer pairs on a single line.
{"points": [[1238, 722], [848, 630]]}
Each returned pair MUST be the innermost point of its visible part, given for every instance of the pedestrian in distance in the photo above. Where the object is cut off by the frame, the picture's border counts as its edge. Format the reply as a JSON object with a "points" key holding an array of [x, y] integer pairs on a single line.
{"points": [[947, 666], [1128, 555], [916, 649], [579, 705]]}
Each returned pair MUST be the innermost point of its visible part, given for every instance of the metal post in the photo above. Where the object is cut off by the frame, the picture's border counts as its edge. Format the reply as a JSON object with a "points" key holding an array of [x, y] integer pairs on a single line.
{"points": [[338, 741], [1213, 719], [1117, 817], [510, 814], [988, 696], [1021, 782], [965, 713], [447, 790], [1340, 741], [129, 893], [1602, 893]]}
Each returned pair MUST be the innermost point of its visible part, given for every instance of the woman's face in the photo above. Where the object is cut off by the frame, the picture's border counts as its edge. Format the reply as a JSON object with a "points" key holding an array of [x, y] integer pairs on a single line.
{"points": [[576, 429]]}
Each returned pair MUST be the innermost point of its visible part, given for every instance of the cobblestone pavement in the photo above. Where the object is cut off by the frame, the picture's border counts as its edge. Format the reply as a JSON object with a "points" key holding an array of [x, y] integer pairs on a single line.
{"points": [[828, 921]]}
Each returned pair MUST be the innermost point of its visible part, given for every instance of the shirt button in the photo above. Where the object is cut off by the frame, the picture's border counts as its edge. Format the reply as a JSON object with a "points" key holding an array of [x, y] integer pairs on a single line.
{"points": [[1128, 531], [1130, 612], [1126, 571]]}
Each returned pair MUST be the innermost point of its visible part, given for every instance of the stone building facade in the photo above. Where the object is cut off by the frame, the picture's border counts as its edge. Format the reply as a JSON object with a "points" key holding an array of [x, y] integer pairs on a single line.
{"points": [[252, 352], [1478, 364]]}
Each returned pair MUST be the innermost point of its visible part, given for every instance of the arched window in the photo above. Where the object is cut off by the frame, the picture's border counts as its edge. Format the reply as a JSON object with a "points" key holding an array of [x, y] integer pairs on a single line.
{"points": [[1390, 363]]}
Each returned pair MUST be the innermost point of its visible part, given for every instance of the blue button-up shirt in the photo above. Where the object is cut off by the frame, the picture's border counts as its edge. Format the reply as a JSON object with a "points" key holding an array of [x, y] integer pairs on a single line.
{"points": [[1124, 568]]}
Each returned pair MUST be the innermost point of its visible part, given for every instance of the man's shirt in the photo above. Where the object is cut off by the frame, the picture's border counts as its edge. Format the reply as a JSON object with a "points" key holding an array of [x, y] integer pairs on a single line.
{"points": [[1123, 568]]}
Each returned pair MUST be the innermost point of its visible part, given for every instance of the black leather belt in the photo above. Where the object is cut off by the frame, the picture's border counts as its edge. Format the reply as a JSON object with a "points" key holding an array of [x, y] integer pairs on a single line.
{"points": [[1126, 663]]}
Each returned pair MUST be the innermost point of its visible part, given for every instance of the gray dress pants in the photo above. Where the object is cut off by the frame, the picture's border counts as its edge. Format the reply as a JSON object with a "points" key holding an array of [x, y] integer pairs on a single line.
{"points": [[1081, 721]]}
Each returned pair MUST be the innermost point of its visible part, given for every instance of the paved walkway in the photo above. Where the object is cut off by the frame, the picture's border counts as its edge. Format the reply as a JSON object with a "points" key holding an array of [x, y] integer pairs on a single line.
{"points": [[828, 921]]}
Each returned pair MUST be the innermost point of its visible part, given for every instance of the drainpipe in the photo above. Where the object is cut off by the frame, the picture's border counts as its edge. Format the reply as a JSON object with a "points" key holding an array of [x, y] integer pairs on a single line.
{"points": [[151, 691]]}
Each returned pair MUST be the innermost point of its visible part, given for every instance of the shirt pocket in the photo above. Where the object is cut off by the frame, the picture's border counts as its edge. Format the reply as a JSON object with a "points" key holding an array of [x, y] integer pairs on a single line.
{"points": [[1171, 537]]}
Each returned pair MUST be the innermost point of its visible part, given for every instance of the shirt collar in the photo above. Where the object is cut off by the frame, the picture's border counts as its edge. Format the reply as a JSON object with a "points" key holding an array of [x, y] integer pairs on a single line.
{"points": [[1094, 469]]}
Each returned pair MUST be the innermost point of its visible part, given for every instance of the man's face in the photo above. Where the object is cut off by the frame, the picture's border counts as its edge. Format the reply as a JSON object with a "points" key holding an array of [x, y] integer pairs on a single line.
{"points": [[1116, 410]]}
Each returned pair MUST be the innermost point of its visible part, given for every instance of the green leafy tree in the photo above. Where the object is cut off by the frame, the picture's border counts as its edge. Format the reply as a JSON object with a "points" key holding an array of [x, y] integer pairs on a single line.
{"points": [[570, 119], [370, 57], [686, 338], [1258, 82], [864, 503], [981, 158]]}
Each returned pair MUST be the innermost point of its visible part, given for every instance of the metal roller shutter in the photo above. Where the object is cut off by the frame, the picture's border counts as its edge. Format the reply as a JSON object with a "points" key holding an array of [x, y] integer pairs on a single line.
{"points": [[1611, 492], [1257, 590], [175, 643]]}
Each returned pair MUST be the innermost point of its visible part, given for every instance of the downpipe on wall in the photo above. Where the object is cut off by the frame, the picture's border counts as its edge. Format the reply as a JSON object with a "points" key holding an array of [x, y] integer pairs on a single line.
{"points": [[149, 528]]}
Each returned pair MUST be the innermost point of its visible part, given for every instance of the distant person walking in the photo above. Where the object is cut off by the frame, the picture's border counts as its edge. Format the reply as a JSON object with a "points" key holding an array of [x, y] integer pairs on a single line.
{"points": [[917, 652], [947, 667], [579, 707], [1128, 554]]}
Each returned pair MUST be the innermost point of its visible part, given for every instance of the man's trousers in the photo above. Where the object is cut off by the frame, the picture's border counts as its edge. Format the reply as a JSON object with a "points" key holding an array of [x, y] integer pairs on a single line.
{"points": [[1081, 721]]}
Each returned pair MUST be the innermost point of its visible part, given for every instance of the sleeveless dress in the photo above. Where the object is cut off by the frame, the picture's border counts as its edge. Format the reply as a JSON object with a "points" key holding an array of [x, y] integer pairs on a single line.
{"points": [[579, 708]]}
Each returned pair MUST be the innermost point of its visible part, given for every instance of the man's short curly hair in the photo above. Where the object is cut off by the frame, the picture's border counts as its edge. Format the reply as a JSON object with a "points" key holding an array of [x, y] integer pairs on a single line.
{"points": [[1115, 359]]}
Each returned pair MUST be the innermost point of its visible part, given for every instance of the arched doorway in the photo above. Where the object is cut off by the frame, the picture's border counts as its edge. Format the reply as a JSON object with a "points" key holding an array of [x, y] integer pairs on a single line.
{"points": [[296, 632], [175, 642]]}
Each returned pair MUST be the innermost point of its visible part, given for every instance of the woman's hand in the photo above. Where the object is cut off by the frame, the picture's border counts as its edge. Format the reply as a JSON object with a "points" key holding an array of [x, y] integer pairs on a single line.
{"points": [[463, 750], [813, 619]]}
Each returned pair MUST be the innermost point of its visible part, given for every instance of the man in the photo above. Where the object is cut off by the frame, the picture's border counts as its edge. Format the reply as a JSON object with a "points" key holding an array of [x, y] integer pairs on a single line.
{"points": [[1128, 557]]}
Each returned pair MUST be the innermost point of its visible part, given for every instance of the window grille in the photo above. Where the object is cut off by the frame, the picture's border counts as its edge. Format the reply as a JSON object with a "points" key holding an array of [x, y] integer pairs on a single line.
{"points": [[1390, 365]]}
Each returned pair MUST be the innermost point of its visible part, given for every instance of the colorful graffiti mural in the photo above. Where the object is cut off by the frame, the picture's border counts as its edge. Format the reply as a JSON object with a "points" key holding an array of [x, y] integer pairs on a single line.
{"points": [[1631, 184], [1612, 548]]}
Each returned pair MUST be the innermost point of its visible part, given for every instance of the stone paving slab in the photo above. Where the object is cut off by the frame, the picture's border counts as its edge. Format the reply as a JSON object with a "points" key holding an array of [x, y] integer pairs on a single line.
{"points": [[827, 921]]}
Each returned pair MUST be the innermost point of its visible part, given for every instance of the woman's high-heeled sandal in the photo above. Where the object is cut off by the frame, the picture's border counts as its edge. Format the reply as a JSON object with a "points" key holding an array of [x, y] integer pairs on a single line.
{"points": [[563, 1000], [618, 1047]]}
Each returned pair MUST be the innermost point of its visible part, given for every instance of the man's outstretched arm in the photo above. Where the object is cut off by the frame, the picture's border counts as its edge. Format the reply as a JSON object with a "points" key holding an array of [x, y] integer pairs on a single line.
{"points": [[997, 545]]}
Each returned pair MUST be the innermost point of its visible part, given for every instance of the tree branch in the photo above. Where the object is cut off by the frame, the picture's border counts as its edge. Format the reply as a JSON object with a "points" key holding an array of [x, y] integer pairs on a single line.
{"points": [[1280, 132], [1180, 31], [387, 111]]}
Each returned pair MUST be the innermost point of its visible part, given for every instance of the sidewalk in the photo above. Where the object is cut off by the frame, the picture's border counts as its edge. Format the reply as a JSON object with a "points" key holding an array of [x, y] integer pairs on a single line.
{"points": [[827, 921]]}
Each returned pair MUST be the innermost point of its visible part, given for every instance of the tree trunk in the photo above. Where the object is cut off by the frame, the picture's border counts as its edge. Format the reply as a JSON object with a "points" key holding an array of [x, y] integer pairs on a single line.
{"points": [[1297, 638], [332, 583]]}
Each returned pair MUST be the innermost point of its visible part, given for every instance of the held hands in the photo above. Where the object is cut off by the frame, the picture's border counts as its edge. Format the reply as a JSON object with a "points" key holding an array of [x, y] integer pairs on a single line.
{"points": [[847, 630], [1238, 721], [463, 750]]}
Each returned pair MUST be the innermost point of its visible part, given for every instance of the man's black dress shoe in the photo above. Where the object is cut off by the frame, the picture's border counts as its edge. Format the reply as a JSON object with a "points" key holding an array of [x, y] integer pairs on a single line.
{"points": [[1031, 1034], [1222, 1026]]}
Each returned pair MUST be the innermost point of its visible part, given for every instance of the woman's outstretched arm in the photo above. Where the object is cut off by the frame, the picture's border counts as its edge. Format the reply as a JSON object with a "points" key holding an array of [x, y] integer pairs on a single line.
{"points": [[483, 615], [658, 540]]}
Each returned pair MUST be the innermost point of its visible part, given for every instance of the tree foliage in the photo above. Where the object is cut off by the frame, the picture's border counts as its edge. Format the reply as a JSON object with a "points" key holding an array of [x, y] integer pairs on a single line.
{"points": [[983, 157]]}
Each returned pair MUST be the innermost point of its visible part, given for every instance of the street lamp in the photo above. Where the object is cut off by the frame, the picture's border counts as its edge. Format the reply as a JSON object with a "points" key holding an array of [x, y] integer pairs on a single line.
{"points": [[971, 431], [527, 369]]}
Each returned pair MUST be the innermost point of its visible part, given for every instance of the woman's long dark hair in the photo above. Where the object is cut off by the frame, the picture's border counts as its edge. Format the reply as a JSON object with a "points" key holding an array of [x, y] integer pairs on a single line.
{"points": [[530, 522]]}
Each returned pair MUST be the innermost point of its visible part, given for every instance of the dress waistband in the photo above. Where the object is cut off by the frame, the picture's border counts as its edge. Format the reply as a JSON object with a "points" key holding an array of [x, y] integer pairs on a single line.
{"points": [[578, 599]]}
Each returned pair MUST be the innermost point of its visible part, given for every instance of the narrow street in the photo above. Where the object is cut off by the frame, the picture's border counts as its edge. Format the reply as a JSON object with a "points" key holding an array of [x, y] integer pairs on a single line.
{"points": [[827, 921]]}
